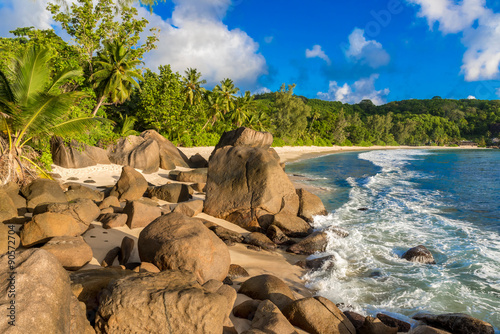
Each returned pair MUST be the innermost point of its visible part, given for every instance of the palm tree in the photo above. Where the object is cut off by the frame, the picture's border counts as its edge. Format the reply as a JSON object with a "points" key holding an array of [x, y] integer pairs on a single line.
{"points": [[227, 92], [214, 100], [31, 105], [116, 74], [259, 121], [192, 85], [244, 107]]}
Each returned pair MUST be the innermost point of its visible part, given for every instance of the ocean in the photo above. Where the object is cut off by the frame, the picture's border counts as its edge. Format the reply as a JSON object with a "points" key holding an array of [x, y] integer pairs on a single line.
{"points": [[446, 200]]}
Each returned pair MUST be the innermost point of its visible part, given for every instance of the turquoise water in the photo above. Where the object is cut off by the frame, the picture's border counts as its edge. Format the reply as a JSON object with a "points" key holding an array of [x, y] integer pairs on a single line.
{"points": [[447, 200]]}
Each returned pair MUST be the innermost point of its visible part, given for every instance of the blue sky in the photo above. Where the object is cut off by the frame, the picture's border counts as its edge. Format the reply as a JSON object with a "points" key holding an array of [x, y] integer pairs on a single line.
{"points": [[336, 50]]}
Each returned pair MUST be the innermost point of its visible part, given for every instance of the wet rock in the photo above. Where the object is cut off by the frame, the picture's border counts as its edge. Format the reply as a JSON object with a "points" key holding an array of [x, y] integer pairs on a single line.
{"points": [[310, 205], [356, 319], [375, 326], [419, 254], [315, 242], [270, 287], [427, 330], [393, 322], [456, 323], [316, 264]]}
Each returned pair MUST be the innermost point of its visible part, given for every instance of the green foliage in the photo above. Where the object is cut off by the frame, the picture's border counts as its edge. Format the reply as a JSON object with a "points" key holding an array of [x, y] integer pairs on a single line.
{"points": [[32, 105], [90, 25], [290, 113], [115, 74]]}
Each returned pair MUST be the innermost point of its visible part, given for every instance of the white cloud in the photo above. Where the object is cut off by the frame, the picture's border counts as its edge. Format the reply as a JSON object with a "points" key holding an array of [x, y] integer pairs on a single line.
{"points": [[19, 13], [498, 92], [471, 97], [366, 52], [262, 90], [481, 32], [196, 37], [268, 39], [317, 52], [361, 90], [452, 18]]}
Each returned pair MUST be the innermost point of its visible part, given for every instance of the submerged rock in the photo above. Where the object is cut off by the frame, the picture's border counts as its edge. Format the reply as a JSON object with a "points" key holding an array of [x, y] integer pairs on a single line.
{"points": [[419, 254]]}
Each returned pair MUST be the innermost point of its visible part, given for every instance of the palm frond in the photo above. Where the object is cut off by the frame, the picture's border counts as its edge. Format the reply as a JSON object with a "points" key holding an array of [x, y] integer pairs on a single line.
{"points": [[62, 76], [77, 125]]}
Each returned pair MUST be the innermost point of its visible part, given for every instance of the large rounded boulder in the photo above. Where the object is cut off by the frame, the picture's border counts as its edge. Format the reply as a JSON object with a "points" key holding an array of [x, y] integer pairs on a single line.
{"points": [[130, 186], [246, 182], [167, 302], [270, 287], [175, 241]]}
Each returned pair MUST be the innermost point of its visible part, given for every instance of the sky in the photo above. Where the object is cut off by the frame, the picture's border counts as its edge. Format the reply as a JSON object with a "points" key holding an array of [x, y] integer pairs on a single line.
{"points": [[383, 50]]}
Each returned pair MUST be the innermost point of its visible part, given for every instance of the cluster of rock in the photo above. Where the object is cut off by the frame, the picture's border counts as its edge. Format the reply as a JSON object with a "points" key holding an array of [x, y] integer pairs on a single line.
{"points": [[147, 152], [184, 282]]}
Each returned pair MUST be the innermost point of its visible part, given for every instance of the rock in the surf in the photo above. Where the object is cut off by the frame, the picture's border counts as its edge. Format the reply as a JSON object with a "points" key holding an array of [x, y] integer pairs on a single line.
{"points": [[375, 326], [310, 205], [457, 323], [402, 326], [291, 225], [419, 254], [313, 243]]}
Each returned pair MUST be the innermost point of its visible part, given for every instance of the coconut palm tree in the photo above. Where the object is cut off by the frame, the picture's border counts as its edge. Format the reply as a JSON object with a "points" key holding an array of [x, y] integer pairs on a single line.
{"points": [[243, 107], [192, 85], [31, 105], [116, 74], [227, 91], [214, 100]]}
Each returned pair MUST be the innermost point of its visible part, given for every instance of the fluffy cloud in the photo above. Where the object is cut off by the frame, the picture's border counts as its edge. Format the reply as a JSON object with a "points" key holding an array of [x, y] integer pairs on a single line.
{"points": [[195, 36], [369, 52], [471, 97], [481, 32], [361, 90], [19, 13], [498, 92], [317, 52]]}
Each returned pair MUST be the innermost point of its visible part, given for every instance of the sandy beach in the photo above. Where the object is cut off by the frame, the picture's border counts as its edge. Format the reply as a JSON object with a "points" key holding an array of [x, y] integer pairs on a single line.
{"points": [[278, 263]]}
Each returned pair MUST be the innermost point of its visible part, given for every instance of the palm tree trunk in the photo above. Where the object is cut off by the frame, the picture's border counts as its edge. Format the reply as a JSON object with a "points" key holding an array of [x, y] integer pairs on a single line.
{"points": [[99, 103]]}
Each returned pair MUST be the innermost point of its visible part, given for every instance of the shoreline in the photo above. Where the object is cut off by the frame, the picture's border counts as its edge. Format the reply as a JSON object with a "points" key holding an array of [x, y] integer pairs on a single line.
{"points": [[290, 154]]}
